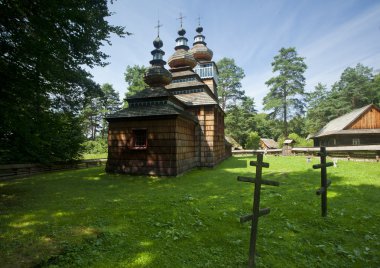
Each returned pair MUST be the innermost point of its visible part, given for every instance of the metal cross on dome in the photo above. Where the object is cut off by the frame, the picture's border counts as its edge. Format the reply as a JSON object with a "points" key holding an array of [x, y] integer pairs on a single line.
{"points": [[181, 18], [158, 27]]}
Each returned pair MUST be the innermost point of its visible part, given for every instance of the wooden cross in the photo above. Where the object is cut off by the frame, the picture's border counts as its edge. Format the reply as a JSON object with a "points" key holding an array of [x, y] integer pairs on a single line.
{"points": [[199, 21], [325, 183], [181, 18], [158, 27], [257, 212]]}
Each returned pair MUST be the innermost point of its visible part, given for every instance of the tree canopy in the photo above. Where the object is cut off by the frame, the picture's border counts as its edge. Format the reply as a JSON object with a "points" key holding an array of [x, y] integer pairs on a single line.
{"points": [[356, 88], [44, 48], [229, 82], [134, 76], [287, 88]]}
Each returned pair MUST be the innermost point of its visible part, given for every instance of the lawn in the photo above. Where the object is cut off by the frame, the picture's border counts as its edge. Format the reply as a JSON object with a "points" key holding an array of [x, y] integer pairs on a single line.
{"points": [[87, 218]]}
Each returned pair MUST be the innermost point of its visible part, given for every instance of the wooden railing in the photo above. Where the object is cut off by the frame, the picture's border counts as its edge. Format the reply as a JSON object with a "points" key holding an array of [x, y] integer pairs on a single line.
{"points": [[24, 170]]}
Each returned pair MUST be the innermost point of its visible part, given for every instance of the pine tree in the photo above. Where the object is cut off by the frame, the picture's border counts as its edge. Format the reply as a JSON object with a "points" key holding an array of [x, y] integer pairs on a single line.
{"points": [[285, 98]]}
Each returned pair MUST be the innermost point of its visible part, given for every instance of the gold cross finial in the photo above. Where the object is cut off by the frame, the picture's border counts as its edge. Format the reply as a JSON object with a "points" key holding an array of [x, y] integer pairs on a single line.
{"points": [[158, 27], [181, 18]]}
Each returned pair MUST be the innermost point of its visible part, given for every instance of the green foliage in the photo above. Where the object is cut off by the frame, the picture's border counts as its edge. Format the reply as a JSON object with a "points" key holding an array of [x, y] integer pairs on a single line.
{"points": [[229, 82], [86, 218], [253, 141], [356, 88], [96, 110], [98, 146], [285, 98], [134, 76], [240, 120], [299, 141], [266, 127], [44, 48]]}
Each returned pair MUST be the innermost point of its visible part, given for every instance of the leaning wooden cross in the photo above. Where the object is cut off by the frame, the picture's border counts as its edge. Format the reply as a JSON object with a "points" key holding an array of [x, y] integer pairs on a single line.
{"points": [[257, 212], [325, 183]]}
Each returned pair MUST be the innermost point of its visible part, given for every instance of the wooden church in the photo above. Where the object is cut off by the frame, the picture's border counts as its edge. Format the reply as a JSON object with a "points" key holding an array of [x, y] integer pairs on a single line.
{"points": [[176, 124]]}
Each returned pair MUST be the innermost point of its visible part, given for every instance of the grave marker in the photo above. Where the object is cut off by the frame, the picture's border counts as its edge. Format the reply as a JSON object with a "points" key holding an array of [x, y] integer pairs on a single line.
{"points": [[257, 212]]}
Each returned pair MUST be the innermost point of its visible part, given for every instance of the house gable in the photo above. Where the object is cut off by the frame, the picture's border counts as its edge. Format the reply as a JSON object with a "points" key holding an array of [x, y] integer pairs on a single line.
{"points": [[369, 119]]}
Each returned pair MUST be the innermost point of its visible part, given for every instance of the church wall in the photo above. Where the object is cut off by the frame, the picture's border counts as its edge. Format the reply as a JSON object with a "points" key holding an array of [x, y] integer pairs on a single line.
{"points": [[219, 144], [206, 121], [185, 145], [159, 158]]}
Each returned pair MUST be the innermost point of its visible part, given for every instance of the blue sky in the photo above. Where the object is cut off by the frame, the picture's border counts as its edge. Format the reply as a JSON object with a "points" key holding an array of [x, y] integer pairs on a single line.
{"points": [[331, 35]]}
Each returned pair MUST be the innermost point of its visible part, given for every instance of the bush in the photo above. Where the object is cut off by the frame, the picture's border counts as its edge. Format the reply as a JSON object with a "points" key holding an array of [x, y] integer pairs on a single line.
{"points": [[253, 141], [299, 141], [97, 146]]}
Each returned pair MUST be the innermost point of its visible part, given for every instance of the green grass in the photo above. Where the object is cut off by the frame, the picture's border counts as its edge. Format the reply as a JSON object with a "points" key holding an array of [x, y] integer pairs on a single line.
{"points": [[87, 218]]}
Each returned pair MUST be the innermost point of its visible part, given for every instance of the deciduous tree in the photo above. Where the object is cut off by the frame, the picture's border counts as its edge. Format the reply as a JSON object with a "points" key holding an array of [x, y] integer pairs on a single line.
{"points": [[44, 48]]}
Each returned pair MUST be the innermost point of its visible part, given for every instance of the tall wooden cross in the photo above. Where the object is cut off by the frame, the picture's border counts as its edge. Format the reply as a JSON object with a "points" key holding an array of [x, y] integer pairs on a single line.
{"points": [[181, 18], [158, 27], [257, 212], [325, 183]]}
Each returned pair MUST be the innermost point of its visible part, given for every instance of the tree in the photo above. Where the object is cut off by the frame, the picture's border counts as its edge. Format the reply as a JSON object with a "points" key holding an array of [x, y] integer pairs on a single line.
{"points": [[134, 76], [266, 127], [285, 98], [356, 88], [44, 48], [110, 103], [240, 120], [229, 82], [253, 141]]}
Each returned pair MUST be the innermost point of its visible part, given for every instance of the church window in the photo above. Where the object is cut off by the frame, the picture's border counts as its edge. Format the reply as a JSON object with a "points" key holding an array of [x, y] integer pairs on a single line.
{"points": [[139, 139]]}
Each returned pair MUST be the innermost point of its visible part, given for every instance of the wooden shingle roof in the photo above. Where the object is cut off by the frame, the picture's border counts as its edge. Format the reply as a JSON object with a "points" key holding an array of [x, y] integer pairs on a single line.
{"points": [[270, 143], [150, 111], [339, 125]]}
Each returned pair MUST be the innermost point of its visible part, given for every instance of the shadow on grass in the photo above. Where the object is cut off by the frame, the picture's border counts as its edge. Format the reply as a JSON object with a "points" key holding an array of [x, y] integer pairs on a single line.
{"points": [[89, 218]]}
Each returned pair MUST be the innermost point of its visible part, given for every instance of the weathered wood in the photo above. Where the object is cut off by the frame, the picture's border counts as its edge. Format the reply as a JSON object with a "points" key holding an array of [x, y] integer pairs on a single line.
{"points": [[252, 180], [317, 166], [256, 163], [257, 212], [262, 212]]}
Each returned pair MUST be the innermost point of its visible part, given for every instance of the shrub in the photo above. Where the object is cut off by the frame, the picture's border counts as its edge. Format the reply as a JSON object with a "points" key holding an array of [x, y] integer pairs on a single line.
{"points": [[253, 141], [97, 146]]}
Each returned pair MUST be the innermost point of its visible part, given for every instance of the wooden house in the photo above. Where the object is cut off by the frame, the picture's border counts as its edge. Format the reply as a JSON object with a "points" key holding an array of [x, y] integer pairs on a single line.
{"points": [[359, 127], [287, 147], [176, 124], [268, 144]]}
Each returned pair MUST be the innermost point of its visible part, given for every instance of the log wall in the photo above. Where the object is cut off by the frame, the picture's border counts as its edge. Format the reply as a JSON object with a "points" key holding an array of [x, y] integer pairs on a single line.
{"points": [[159, 158], [186, 153], [368, 120]]}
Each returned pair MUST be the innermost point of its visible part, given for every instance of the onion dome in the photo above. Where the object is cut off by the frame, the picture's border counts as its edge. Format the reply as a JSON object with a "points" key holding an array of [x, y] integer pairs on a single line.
{"points": [[199, 50], [157, 75], [181, 57]]}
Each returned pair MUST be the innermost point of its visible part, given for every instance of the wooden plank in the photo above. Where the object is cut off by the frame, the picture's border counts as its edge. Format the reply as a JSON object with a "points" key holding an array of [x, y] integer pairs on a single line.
{"points": [[317, 166], [256, 163]]}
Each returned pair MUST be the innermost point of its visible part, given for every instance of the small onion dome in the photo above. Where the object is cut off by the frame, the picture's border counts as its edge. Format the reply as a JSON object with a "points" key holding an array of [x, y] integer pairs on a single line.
{"points": [[199, 50], [182, 57], [181, 32], [157, 43], [157, 76]]}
